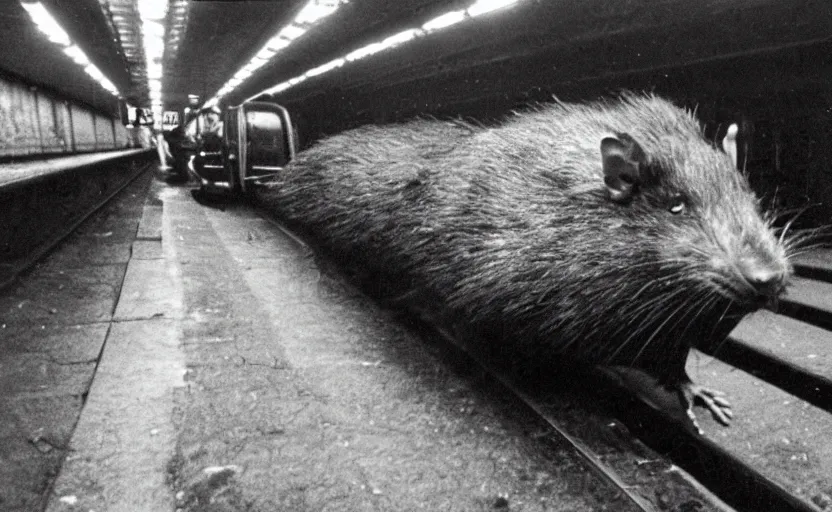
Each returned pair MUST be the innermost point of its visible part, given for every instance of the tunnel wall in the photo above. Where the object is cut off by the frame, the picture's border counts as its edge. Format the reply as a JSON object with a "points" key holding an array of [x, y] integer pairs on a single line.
{"points": [[34, 122], [18, 121], [83, 128], [104, 133], [124, 136]]}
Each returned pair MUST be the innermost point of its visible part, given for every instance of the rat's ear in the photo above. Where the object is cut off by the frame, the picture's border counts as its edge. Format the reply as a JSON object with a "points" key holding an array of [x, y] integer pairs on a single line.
{"points": [[622, 158], [729, 143]]}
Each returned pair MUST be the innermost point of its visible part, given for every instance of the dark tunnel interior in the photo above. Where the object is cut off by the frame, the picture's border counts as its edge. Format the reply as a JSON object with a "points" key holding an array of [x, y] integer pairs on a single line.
{"points": [[216, 296]]}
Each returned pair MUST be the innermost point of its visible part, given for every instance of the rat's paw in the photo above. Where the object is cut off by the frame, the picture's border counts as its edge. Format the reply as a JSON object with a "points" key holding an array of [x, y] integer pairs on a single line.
{"points": [[711, 399]]}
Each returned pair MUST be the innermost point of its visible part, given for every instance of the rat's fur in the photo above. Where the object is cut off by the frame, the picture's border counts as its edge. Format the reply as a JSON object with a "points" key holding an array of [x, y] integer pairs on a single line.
{"points": [[511, 231]]}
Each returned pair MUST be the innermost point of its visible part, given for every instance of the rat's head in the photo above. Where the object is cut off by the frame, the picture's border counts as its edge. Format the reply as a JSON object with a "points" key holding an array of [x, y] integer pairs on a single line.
{"points": [[699, 208]]}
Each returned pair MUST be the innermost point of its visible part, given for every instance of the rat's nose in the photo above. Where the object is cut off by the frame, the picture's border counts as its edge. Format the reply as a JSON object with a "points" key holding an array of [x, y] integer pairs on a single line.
{"points": [[765, 280]]}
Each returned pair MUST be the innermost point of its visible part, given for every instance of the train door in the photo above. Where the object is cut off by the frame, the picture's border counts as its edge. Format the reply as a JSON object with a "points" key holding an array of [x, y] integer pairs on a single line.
{"points": [[231, 148], [267, 136]]}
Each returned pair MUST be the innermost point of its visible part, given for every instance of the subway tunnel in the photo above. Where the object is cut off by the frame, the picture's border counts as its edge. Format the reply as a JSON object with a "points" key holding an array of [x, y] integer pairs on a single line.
{"points": [[173, 337]]}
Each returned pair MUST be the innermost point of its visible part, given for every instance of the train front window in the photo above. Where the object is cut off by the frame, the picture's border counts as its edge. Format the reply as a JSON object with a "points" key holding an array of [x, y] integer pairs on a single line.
{"points": [[265, 134]]}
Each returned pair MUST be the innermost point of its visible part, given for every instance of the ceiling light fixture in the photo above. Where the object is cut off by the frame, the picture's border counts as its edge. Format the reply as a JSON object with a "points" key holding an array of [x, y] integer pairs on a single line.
{"points": [[153, 9], [177, 25], [402, 37], [485, 6], [291, 32], [46, 23], [313, 12], [56, 34], [266, 53], [77, 55], [152, 14], [445, 20], [337, 63], [448, 19]]}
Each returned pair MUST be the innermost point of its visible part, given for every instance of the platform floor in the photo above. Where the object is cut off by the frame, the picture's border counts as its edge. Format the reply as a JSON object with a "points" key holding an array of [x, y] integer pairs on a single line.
{"points": [[15, 172], [206, 358]]}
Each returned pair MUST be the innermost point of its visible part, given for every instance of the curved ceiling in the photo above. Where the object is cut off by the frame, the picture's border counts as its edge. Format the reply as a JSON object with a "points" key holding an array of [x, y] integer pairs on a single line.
{"points": [[527, 46]]}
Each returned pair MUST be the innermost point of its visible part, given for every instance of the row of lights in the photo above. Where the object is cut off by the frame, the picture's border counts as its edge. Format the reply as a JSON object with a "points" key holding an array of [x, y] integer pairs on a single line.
{"points": [[53, 30], [443, 21], [152, 14], [311, 13], [177, 24]]}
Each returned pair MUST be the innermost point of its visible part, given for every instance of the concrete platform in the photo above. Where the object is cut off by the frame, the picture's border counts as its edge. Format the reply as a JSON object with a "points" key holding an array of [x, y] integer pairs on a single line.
{"points": [[16, 172], [54, 322], [236, 373]]}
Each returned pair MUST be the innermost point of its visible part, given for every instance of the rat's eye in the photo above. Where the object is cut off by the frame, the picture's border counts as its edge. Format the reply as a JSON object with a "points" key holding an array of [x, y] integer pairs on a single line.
{"points": [[677, 204]]}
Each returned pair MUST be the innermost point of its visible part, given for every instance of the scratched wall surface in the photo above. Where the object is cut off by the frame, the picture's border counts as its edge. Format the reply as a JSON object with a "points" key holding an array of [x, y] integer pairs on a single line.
{"points": [[83, 127], [35, 122], [122, 135], [18, 120], [103, 133], [47, 114], [63, 124]]}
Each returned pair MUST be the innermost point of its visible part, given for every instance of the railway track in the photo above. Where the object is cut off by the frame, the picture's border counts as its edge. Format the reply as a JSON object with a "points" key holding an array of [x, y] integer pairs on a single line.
{"points": [[45, 208], [645, 449]]}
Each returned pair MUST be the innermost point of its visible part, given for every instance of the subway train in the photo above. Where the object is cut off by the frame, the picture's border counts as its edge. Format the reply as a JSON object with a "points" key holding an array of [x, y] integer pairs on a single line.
{"points": [[246, 145]]}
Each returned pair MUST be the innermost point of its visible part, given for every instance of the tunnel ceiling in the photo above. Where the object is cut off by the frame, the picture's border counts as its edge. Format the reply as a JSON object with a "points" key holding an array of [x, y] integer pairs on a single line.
{"points": [[27, 54], [566, 41], [219, 38], [539, 42]]}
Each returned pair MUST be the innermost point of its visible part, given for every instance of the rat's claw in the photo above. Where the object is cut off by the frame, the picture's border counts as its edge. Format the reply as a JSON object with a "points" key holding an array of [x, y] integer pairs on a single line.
{"points": [[713, 400]]}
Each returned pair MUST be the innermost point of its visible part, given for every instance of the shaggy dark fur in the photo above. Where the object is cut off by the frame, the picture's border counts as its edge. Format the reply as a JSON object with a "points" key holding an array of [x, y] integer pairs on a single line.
{"points": [[512, 232]]}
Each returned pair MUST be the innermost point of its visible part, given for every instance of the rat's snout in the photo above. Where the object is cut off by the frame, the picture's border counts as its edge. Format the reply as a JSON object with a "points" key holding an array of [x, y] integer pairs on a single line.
{"points": [[767, 279]]}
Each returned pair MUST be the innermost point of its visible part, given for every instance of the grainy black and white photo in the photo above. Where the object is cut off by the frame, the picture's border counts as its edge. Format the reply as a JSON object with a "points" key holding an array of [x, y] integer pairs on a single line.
{"points": [[415, 255]]}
